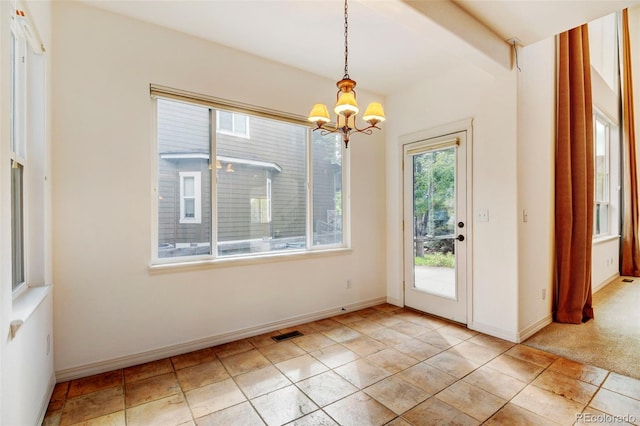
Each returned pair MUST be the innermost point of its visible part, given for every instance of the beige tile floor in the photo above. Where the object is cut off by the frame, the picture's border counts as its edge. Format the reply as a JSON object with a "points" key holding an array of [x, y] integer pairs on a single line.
{"points": [[381, 365]]}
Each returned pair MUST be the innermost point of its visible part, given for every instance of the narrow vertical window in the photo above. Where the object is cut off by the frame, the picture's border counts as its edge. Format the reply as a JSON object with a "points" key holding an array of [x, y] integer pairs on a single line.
{"points": [[190, 197], [601, 199], [18, 154]]}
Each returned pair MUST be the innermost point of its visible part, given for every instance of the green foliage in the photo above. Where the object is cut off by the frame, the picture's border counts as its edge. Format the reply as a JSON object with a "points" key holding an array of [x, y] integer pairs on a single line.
{"points": [[434, 192], [447, 260]]}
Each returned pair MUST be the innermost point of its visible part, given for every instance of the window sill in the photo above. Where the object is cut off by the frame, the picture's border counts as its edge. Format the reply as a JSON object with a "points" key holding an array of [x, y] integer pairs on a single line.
{"points": [[244, 261], [604, 238], [25, 305]]}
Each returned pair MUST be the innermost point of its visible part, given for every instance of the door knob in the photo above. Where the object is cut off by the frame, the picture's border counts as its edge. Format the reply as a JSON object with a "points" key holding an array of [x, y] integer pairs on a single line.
{"points": [[460, 238]]}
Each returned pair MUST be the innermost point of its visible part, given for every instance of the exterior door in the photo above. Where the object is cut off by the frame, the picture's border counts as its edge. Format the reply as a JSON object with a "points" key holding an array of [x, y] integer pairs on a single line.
{"points": [[435, 226]]}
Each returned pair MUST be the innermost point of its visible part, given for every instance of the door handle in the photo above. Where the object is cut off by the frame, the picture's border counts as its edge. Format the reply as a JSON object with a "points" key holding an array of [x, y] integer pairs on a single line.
{"points": [[460, 238]]}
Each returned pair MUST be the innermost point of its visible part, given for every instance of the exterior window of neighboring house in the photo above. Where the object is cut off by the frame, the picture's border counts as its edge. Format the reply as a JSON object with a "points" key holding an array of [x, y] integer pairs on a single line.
{"points": [[190, 197], [232, 123], [602, 144], [278, 191]]}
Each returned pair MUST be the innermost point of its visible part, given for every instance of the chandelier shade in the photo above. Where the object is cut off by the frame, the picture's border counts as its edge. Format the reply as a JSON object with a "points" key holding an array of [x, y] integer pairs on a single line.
{"points": [[374, 112], [346, 105], [319, 113]]}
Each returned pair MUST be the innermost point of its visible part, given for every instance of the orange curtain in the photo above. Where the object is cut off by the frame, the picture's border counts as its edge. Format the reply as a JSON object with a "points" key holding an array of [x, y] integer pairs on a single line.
{"points": [[630, 238], [574, 179]]}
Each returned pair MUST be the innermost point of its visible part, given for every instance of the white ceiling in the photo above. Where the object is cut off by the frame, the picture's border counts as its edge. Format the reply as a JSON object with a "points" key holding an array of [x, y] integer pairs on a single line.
{"points": [[392, 43]]}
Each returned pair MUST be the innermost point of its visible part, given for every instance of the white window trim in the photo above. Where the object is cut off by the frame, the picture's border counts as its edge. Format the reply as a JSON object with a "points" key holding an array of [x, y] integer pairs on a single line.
{"points": [[233, 132], [197, 188], [18, 142], [213, 260], [24, 146]]}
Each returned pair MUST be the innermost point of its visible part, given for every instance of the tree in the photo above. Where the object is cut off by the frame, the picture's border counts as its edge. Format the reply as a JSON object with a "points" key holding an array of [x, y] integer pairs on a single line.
{"points": [[434, 199]]}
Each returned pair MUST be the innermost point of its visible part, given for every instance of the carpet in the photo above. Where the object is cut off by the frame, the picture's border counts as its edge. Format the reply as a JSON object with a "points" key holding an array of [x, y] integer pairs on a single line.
{"points": [[611, 340]]}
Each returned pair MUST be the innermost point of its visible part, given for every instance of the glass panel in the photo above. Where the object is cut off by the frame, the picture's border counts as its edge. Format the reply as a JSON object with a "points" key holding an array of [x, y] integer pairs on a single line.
{"points": [[327, 189], [17, 226], [225, 121], [275, 152], [12, 94], [601, 219], [240, 123], [434, 224], [601, 163], [18, 95], [189, 208], [189, 186], [183, 145]]}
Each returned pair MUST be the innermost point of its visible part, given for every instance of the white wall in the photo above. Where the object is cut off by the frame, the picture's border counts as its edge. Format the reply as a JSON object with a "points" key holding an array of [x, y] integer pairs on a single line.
{"points": [[536, 159], [26, 363], [108, 306], [490, 99]]}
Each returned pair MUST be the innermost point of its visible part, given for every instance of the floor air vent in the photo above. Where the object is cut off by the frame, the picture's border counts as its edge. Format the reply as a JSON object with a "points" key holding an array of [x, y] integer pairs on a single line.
{"points": [[627, 280], [286, 336]]}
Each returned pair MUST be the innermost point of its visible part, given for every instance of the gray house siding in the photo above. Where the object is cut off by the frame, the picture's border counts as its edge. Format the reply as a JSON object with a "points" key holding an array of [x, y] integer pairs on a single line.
{"points": [[271, 142]]}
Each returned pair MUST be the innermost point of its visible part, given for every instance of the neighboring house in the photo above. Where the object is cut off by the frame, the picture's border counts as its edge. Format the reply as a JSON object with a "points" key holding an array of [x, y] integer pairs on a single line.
{"points": [[261, 183]]}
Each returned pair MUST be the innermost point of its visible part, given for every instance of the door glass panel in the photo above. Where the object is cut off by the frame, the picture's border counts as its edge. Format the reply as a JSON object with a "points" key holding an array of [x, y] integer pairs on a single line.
{"points": [[434, 222]]}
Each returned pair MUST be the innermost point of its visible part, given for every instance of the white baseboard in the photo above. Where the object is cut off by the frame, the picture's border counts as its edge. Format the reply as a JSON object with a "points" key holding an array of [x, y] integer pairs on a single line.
{"points": [[394, 301], [173, 350], [534, 328], [493, 331], [606, 282]]}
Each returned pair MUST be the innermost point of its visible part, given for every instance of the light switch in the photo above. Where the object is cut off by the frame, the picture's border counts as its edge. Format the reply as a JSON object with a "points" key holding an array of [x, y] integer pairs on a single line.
{"points": [[482, 215]]}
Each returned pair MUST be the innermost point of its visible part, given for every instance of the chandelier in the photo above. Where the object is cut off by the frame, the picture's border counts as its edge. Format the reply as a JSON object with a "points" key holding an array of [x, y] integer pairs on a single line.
{"points": [[346, 107]]}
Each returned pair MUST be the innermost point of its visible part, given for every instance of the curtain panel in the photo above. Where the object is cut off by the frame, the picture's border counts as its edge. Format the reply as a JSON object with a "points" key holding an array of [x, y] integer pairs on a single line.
{"points": [[574, 184], [631, 215]]}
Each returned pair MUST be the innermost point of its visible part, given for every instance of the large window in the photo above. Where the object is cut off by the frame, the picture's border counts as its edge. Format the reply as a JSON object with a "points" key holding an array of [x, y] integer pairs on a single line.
{"points": [[218, 196]]}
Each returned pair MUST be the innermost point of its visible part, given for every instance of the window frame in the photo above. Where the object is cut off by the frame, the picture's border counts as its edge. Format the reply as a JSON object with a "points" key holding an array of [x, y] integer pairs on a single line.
{"points": [[18, 155], [608, 185], [215, 104]]}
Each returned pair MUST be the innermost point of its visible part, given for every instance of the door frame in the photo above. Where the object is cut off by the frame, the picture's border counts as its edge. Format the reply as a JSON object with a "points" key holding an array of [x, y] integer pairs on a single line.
{"points": [[465, 125]]}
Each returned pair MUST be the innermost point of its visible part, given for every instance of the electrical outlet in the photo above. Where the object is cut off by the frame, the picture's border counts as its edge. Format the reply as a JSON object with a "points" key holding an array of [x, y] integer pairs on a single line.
{"points": [[48, 344], [544, 293], [348, 283]]}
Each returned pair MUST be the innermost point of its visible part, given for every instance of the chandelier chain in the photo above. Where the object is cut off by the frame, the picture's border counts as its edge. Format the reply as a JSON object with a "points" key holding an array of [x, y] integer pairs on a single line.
{"points": [[346, 42]]}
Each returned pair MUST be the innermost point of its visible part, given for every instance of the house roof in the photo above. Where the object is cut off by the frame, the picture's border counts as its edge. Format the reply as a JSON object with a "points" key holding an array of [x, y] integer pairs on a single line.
{"points": [[224, 159]]}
